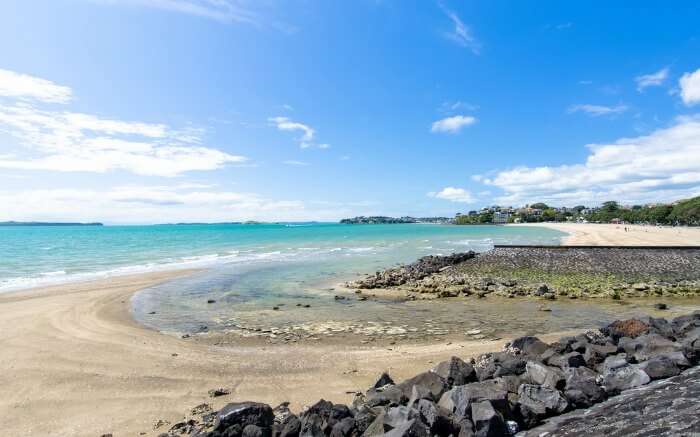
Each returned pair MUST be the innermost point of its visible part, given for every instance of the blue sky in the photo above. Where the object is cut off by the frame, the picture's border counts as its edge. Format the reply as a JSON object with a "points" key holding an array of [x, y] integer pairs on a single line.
{"points": [[140, 111]]}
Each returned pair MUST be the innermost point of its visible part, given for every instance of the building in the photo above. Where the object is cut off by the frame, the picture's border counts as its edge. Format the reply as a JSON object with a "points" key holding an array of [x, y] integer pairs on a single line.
{"points": [[500, 218]]}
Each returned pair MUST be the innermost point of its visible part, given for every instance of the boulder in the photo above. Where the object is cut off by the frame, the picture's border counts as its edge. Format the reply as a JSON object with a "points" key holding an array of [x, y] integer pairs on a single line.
{"points": [[242, 414], [458, 400], [660, 367], [537, 402], [582, 389], [570, 360], [390, 395], [254, 431], [596, 354], [531, 346], [428, 380], [455, 372], [631, 328], [344, 428], [383, 380], [612, 362], [540, 374], [411, 428], [648, 346], [291, 427], [437, 418], [510, 366], [487, 421], [624, 378]]}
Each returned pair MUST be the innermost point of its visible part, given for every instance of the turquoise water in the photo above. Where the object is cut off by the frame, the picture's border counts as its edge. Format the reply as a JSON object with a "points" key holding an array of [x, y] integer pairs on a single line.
{"points": [[31, 256]]}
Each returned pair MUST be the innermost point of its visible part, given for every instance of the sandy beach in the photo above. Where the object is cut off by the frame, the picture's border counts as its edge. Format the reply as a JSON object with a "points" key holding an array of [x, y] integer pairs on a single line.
{"points": [[74, 363], [615, 235]]}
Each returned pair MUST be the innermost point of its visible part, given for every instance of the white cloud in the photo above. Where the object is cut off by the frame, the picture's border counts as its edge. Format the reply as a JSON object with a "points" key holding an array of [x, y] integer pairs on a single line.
{"points": [[453, 194], [660, 166], [295, 163], [690, 88], [225, 11], [162, 204], [25, 87], [77, 142], [653, 79], [308, 134], [452, 124], [461, 34], [598, 110], [450, 107]]}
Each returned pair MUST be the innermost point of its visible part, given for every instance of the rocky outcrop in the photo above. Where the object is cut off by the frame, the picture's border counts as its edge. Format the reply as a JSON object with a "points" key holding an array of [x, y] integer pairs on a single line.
{"points": [[519, 388], [548, 273]]}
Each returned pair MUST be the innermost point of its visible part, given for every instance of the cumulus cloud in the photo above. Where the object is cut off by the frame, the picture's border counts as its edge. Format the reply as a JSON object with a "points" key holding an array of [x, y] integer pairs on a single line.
{"points": [[461, 34], [452, 124], [453, 194], [308, 134], [25, 87], [77, 142], [690, 87], [660, 166], [653, 79], [597, 110]]}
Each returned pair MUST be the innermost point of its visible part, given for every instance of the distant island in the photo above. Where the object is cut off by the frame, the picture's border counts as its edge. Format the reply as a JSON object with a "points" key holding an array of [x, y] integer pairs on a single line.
{"points": [[381, 220], [13, 223]]}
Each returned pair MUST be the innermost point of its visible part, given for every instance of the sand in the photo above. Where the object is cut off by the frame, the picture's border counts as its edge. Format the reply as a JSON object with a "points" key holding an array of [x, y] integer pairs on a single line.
{"points": [[615, 235], [74, 363]]}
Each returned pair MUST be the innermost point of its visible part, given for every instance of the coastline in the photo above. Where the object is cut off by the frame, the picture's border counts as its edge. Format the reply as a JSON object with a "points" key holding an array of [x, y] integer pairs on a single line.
{"points": [[69, 348]]}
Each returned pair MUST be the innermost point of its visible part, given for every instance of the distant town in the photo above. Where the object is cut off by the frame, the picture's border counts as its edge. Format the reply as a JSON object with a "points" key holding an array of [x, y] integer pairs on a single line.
{"points": [[682, 212]]}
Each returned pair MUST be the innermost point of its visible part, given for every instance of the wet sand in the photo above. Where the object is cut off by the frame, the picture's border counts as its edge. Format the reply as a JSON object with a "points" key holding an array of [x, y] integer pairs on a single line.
{"points": [[74, 363], [584, 234]]}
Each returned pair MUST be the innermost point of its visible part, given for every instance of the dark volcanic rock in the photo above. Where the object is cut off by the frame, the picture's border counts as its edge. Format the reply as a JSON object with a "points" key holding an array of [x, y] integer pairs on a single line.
{"points": [[582, 389], [487, 421], [624, 378], [531, 346], [544, 375], [383, 380], [459, 399], [666, 408], [537, 402], [455, 372], [428, 380], [572, 359], [242, 414]]}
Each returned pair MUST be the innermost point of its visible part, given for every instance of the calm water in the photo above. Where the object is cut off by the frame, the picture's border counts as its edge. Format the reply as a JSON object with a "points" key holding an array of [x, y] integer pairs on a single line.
{"points": [[247, 268]]}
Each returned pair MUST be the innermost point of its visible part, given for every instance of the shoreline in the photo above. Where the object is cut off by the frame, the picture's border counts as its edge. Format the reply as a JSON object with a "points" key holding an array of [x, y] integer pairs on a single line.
{"points": [[601, 234], [79, 346]]}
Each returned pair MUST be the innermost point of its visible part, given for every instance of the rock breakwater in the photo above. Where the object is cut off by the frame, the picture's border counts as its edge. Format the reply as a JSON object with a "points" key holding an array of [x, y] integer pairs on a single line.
{"points": [[495, 394], [547, 272]]}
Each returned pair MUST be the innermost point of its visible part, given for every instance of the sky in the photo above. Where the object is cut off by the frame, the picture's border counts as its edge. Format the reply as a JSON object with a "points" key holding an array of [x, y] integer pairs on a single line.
{"points": [[151, 111]]}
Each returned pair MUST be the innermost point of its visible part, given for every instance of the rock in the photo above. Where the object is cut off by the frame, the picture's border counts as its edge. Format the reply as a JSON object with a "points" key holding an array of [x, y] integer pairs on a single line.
{"points": [[390, 395], [411, 428], [660, 306], [570, 360], [640, 286], [531, 346], [537, 402], [541, 290], [631, 328], [458, 400], [211, 300], [435, 417], [582, 389], [344, 428], [647, 346], [455, 372], [291, 427], [543, 375], [612, 363], [660, 367], [624, 378], [431, 381], [242, 414], [376, 428], [510, 366], [216, 392], [252, 431], [596, 354], [383, 380], [487, 421]]}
